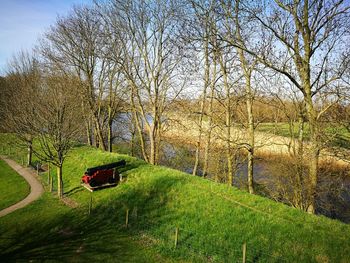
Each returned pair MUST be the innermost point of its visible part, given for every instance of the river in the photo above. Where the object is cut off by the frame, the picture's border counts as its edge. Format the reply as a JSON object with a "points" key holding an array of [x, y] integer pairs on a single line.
{"points": [[273, 176]]}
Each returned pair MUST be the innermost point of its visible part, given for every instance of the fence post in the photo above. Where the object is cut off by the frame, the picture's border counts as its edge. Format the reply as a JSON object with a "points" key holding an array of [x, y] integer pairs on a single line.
{"points": [[244, 256], [90, 205], [176, 236], [37, 169], [22, 161], [127, 218]]}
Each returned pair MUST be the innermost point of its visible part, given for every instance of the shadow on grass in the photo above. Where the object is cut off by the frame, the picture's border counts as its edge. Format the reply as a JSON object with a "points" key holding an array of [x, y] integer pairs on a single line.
{"points": [[74, 236], [71, 238], [73, 191], [145, 201]]}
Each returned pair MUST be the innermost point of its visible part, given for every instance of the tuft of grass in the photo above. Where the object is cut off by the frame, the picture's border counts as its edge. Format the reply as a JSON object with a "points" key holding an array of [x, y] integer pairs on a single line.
{"points": [[13, 188]]}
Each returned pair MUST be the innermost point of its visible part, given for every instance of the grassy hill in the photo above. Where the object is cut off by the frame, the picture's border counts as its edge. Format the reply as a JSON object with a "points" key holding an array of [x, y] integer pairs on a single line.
{"points": [[213, 221]]}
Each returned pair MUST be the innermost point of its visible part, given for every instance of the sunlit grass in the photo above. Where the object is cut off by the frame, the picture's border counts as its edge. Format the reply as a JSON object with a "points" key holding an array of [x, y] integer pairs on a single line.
{"points": [[214, 220], [334, 135]]}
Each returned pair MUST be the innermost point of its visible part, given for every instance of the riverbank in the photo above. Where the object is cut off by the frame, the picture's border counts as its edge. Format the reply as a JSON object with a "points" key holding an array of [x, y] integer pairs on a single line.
{"points": [[185, 129]]}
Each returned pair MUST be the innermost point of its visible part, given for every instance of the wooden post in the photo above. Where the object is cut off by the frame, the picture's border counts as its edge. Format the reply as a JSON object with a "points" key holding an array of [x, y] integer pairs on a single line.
{"points": [[244, 256], [90, 205], [127, 218], [22, 161], [176, 236], [37, 169]]}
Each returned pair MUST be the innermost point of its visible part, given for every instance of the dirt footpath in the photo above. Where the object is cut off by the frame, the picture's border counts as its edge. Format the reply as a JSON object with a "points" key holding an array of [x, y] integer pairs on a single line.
{"points": [[36, 189]]}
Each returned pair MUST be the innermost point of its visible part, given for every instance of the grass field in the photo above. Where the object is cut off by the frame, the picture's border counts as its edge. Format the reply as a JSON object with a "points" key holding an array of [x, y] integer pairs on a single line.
{"points": [[335, 135], [213, 221], [13, 187]]}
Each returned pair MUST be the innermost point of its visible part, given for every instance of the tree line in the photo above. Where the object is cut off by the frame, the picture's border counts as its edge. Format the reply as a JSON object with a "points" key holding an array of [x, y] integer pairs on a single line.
{"points": [[143, 57]]}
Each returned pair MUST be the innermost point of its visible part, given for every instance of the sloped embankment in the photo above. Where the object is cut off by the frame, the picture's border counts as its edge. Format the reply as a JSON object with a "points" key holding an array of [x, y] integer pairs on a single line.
{"points": [[212, 219]]}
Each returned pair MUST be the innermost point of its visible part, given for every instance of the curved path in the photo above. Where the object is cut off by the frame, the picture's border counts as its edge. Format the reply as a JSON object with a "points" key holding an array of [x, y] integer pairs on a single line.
{"points": [[36, 189]]}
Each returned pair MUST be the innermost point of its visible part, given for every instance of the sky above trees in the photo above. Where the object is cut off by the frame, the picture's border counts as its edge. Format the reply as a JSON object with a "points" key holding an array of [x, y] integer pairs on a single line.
{"points": [[23, 21]]}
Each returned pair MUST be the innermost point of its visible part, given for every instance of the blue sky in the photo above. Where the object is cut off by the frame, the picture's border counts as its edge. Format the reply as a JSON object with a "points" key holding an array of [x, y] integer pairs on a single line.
{"points": [[23, 21]]}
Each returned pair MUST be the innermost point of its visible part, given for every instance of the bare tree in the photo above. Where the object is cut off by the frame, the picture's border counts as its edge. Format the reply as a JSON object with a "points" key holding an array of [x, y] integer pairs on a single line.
{"points": [[233, 30], [303, 41], [151, 62], [58, 123], [203, 12], [23, 83], [75, 44]]}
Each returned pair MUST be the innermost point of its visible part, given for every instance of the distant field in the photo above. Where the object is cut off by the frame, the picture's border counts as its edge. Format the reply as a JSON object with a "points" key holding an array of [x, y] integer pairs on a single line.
{"points": [[336, 135], [13, 188]]}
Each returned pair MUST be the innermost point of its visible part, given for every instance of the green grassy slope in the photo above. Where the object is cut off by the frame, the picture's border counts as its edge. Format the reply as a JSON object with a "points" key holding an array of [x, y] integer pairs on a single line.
{"points": [[213, 220], [13, 188], [48, 231]]}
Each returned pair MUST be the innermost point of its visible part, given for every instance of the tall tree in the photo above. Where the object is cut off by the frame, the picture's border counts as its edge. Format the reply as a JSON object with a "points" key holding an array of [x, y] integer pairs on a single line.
{"points": [[74, 43], [23, 84], [151, 64], [304, 41], [57, 123], [234, 31]]}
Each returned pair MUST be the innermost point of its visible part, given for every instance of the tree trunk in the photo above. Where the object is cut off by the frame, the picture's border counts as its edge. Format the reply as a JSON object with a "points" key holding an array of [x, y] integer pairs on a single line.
{"points": [[30, 152], [196, 161], [99, 134], [210, 120], [158, 141], [152, 157], [96, 140], [314, 152], [249, 102], [142, 140], [88, 132], [110, 137], [299, 154], [137, 123], [250, 170], [153, 143], [229, 165], [228, 122], [247, 71], [59, 182], [228, 136], [204, 97], [133, 135]]}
